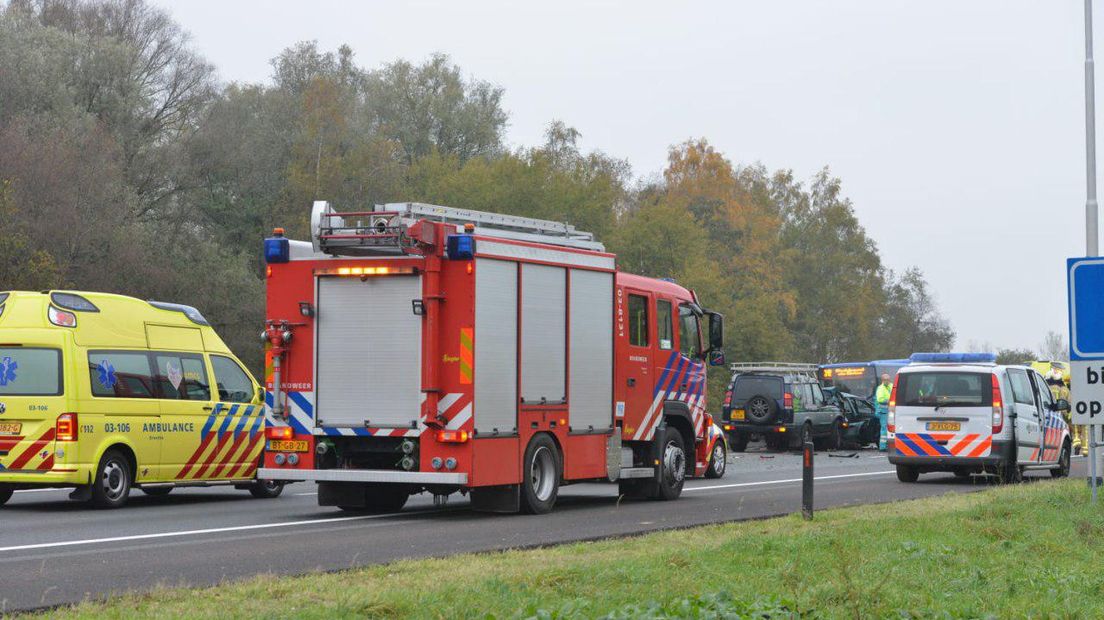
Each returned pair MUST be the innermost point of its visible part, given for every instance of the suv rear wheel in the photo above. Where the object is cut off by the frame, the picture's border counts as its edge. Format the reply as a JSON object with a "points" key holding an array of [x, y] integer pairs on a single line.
{"points": [[761, 409], [738, 442]]}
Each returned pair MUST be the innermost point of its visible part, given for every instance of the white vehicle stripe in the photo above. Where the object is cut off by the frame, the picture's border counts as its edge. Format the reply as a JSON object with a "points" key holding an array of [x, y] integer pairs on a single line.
{"points": [[786, 481]]}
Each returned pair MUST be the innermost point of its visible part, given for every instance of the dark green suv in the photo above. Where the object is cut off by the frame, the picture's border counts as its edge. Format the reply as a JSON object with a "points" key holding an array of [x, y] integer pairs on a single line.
{"points": [[783, 404]]}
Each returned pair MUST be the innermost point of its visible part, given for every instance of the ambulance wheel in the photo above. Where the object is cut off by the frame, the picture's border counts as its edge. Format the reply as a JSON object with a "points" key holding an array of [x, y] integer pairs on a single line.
{"points": [[718, 462], [907, 473], [1058, 472], [540, 477], [111, 487], [672, 462], [157, 491], [266, 489], [5, 494]]}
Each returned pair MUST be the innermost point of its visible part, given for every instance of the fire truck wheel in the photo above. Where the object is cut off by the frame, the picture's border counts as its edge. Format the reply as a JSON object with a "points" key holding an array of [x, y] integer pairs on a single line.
{"points": [[673, 464], [5, 494], [718, 462], [266, 489], [111, 487], [540, 481]]}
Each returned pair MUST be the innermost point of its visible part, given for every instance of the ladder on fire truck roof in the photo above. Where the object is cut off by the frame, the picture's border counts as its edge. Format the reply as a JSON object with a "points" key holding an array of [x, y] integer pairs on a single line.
{"points": [[383, 229]]}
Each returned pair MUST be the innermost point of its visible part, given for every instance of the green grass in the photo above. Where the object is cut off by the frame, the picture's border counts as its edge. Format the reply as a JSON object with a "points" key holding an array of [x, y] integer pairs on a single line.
{"points": [[1033, 550]]}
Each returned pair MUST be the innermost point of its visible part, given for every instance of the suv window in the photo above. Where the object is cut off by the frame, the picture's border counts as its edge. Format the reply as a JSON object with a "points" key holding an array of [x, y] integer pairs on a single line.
{"points": [[120, 374], [816, 394], [234, 385], [665, 333], [638, 320], [1021, 387], [689, 334], [746, 386]]}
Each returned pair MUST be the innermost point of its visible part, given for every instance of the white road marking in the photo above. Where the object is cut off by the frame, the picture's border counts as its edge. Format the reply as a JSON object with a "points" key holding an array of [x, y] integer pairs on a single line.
{"points": [[786, 481], [311, 493], [214, 530]]}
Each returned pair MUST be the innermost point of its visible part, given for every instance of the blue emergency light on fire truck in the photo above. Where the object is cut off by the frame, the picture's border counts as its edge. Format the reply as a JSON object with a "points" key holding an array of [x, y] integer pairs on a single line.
{"points": [[416, 348]]}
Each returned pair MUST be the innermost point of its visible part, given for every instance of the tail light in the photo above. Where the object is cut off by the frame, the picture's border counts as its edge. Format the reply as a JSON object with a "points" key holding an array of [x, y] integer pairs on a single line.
{"points": [[998, 408], [891, 416], [279, 432], [447, 436], [728, 398], [66, 427], [787, 400]]}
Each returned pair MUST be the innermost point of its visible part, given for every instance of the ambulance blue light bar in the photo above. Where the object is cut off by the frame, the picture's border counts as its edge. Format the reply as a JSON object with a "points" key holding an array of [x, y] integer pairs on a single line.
{"points": [[952, 358]]}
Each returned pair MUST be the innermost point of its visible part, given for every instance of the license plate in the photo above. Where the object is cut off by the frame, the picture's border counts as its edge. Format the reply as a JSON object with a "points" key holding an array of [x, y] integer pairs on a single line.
{"points": [[737, 414], [288, 445], [10, 428], [944, 426]]}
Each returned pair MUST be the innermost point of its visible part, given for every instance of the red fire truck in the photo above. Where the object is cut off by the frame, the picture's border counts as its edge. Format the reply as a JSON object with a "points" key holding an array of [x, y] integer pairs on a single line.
{"points": [[417, 348]]}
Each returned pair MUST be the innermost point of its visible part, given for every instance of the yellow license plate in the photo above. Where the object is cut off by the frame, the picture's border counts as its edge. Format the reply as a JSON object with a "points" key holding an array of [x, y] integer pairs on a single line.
{"points": [[287, 445], [10, 428], [944, 426], [737, 414]]}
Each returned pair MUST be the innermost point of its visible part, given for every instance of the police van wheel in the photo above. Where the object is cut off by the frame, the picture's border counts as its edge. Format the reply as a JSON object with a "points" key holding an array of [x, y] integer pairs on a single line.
{"points": [[157, 491], [5, 494], [1010, 474], [906, 473], [111, 486], [266, 489], [540, 476], [718, 462], [1061, 471]]}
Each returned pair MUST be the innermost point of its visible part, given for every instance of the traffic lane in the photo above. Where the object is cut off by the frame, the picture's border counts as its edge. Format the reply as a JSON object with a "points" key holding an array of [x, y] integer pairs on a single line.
{"points": [[39, 577], [47, 515]]}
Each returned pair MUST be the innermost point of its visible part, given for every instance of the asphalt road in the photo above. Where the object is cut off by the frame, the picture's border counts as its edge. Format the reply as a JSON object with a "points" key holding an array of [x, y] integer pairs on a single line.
{"points": [[54, 551]]}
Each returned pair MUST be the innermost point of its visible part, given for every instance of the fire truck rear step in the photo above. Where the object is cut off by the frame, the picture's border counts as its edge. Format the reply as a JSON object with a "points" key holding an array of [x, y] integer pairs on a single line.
{"points": [[363, 475], [637, 472]]}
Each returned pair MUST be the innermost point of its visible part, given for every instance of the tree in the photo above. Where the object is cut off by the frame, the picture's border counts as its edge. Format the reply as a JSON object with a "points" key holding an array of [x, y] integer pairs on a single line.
{"points": [[911, 321], [1054, 347], [1015, 356], [431, 108]]}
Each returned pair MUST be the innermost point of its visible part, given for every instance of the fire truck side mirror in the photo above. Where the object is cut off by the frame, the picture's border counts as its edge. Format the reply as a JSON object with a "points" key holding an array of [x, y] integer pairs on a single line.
{"points": [[716, 331], [259, 397], [717, 358]]}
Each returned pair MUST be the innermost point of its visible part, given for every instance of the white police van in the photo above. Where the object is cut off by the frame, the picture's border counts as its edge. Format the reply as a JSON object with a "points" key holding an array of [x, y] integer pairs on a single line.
{"points": [[963, 413]]}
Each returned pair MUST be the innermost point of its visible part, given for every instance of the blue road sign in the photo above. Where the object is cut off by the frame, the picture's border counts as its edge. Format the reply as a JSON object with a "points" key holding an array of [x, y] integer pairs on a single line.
{"points": [[1086, 307]]}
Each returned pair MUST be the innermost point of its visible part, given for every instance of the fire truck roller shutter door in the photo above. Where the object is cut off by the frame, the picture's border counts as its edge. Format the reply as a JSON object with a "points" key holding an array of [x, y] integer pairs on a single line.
{"points": [[543, 334], [495, 346], [369, 352], [591, 360]]}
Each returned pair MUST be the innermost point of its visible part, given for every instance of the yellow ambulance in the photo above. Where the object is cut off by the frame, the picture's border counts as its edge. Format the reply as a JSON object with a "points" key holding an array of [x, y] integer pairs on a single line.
{"points": [[106, 393]]}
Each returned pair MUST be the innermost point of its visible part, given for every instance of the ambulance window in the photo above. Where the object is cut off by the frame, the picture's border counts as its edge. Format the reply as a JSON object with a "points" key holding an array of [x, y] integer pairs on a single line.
{"points": [[638, 320], [182, 377], [689, 336], [1021, 387], [30, 372], [234, 385], [666, 334], [120, 374]]}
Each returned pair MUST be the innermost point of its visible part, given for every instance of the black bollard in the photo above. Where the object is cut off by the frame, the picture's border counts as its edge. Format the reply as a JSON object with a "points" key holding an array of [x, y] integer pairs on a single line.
{"points": [[807, 481]]}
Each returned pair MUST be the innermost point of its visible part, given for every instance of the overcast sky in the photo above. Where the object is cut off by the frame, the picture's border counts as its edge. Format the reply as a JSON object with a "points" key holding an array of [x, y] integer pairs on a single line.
{"points": [[956, 127]]}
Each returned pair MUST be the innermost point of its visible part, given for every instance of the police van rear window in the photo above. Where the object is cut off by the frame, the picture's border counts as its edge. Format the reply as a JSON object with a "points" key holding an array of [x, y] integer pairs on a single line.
{"points": [[944, 389], [27, 371]]}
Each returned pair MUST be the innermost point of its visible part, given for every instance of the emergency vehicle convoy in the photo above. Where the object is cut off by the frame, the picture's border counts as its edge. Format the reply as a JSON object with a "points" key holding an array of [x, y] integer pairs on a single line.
{"points": [[421, 348], [104, 393], [963, 413]]}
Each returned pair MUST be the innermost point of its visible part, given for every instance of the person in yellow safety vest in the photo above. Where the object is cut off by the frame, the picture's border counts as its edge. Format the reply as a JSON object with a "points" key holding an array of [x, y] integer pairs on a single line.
{"points": [[1056, 380], [881, 395]]}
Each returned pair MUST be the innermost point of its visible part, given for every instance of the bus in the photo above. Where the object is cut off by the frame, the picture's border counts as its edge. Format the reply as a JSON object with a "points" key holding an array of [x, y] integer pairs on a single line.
{"points": [[858, 378]]}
